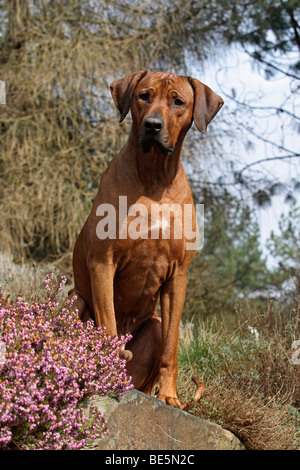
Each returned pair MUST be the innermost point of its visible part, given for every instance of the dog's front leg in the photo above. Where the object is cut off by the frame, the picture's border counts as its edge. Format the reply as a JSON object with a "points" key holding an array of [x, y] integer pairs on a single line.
{"points": [[102, 281], [172, 300]]}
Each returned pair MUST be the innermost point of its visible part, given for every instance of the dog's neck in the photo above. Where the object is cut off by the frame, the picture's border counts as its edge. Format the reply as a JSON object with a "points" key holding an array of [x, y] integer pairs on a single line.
{"points": [[156, 170]]}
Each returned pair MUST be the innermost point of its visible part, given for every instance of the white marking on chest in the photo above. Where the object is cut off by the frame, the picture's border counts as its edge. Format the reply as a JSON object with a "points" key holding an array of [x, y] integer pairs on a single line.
{"points": [[160, 223]]}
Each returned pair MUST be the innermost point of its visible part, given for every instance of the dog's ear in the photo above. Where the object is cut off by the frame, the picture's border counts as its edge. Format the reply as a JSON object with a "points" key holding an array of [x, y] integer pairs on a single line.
{"points": [[122, 91], [206, 104]]}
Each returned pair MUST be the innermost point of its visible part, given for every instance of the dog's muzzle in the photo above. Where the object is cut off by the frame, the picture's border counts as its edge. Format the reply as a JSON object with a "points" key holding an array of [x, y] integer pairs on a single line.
{"points": [[153, 125], [151, 135]]}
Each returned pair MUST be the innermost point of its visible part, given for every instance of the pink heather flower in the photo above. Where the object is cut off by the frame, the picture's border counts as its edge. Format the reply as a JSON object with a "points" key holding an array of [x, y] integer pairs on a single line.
{"points": [[52, 363]]}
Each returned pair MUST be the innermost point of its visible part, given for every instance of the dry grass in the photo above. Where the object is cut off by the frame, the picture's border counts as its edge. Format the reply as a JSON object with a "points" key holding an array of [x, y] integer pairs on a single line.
{"points": [[251, 385], [59, 128], [259, 423], [25, 279]]}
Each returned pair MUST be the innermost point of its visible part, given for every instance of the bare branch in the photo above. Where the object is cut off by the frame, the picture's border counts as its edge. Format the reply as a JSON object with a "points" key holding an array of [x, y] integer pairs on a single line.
{"points": [[263, 160]]}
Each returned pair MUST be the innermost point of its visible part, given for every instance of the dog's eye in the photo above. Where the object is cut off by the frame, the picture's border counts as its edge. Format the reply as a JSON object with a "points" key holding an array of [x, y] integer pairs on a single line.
{"points": [[144, 96], [178, 102]]}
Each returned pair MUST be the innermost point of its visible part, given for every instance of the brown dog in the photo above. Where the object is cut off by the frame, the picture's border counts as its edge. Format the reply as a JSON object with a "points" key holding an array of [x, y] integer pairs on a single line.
{"points": [[120, 273]]}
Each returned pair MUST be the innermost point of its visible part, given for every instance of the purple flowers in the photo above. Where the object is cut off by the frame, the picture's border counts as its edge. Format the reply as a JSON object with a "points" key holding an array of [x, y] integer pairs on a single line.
{"points": [[52, 362]]}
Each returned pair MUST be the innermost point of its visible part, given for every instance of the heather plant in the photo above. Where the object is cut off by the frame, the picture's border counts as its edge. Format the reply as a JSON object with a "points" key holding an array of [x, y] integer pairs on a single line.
{"points": [[52, 362]]}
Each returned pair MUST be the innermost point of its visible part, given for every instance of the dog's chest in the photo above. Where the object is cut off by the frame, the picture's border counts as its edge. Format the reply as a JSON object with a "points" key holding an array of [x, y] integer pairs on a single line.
{"points": [[151, 245], [142, 256], [144, 267]]}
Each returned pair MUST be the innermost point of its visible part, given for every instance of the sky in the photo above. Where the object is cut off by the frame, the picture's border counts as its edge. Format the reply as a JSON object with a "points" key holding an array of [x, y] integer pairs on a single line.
{"points": [[237, 76]]}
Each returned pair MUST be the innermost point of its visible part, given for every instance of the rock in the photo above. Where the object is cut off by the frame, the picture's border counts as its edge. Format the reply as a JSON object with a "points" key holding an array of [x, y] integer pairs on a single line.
{"points": [[138, 421]]}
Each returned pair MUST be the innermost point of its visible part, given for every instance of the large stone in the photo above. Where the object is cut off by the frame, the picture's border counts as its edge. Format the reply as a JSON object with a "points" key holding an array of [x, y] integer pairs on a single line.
{"points": [[140, 422]]}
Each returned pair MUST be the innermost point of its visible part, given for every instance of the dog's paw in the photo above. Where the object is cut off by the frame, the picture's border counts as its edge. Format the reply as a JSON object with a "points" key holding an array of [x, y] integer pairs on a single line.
{"points": [[126, 354], [171, 401]]}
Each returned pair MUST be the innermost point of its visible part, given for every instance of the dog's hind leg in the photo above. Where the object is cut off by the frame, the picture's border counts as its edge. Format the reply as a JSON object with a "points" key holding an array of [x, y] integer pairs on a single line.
{"points": [[81, 305], [146, 349]]}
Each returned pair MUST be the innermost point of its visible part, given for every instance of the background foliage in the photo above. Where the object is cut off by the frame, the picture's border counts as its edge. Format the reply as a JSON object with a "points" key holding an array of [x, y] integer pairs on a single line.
{"points": [[59, 128]]}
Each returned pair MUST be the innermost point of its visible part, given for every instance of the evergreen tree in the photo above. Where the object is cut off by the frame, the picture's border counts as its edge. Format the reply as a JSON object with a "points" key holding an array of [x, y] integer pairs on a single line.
{"points": [[285, 250], [230, 267]]}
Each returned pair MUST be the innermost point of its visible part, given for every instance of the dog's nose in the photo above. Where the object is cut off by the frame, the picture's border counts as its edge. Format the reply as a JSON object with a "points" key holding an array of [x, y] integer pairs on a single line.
{"points": [[153, 125]]}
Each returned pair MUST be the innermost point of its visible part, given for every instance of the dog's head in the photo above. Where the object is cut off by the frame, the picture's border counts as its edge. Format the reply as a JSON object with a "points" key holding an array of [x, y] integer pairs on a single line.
{"points": [[163, 107]]}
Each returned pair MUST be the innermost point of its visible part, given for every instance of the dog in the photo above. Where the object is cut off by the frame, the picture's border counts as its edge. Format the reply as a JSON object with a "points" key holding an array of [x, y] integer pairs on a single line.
{"points": [[121, 273]]}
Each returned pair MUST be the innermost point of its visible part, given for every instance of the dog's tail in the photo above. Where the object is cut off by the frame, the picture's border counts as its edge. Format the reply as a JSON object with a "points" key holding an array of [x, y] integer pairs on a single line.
{"points": [[197, 396]]}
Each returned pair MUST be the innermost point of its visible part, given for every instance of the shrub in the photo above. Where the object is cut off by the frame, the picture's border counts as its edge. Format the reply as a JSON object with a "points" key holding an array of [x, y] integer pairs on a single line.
{"points": [[52, 363]]}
